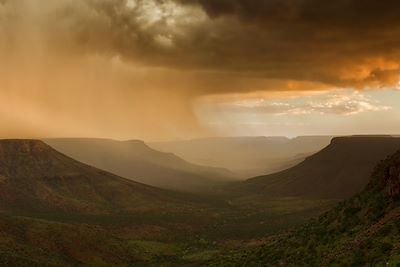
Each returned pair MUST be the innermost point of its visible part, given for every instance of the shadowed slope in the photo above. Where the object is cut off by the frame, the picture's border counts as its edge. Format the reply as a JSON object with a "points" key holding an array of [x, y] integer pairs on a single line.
{"points": [[339, 171]]}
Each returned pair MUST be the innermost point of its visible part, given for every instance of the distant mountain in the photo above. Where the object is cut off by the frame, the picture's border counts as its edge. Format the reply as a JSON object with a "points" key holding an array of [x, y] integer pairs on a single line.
{"points": [[338, 171], [247, 156], [36, 178], [137, 161], [363, 231]]}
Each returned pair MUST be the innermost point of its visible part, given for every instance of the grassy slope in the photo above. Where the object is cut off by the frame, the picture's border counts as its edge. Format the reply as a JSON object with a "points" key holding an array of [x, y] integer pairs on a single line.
{"points": [[25, 241], [363, 231], [59, 212]]}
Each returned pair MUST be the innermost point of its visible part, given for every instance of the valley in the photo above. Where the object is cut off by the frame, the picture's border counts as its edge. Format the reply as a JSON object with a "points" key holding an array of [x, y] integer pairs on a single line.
{"points": [[87, 216]]}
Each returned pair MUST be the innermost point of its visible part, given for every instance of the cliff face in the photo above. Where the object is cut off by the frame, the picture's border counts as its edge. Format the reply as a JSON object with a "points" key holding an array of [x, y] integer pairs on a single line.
{"points": [[392, 178]]}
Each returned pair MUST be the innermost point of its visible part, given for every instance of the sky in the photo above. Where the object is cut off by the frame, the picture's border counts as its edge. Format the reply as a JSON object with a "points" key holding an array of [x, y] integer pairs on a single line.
{"points": [[179, 69]]}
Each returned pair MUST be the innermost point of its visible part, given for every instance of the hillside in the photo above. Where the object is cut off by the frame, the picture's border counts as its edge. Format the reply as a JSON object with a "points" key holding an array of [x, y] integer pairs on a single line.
{"points": [[246, 156], [337, 172], [56, 211], [363, 231], [36, 178], [136, 161]]}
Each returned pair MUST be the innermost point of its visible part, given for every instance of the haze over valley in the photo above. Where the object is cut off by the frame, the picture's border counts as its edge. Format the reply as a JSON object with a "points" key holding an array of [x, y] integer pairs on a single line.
{"points": [[247, 156]]}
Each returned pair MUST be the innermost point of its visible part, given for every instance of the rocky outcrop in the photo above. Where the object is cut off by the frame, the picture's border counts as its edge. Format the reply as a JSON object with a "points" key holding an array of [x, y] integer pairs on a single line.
{"points": [[394, 182], [392, 177]]}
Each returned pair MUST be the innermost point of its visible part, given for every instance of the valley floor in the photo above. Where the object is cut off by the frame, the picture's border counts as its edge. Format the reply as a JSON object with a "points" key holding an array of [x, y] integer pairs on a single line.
{"points": [[149, 239]]}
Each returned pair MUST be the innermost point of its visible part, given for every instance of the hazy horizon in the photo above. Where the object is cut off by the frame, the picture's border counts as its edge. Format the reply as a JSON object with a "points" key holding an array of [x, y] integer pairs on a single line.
{"points": [[207, 137]]}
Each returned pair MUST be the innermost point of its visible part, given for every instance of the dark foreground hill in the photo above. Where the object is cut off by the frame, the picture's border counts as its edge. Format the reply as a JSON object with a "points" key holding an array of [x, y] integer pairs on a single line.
{"points": [[337, 172], [136, 161], [363, 231], [36, 178]]}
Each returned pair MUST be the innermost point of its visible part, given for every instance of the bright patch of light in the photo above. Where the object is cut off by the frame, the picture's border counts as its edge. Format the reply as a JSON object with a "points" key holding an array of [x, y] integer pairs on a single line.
{"points": [[131, 4], [164, 41], [339, 103], [168, 13], [338, 112], [398, 86], [166, 20]]}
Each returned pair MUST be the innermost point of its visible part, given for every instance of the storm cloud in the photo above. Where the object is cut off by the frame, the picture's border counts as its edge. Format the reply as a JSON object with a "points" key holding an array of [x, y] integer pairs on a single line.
{"points": [[88, 62], [344, 42]]}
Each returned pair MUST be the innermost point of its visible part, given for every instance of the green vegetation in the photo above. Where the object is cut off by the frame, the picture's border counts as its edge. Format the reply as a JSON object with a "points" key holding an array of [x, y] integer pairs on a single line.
{"points": [[363, 231], [149, 239]]}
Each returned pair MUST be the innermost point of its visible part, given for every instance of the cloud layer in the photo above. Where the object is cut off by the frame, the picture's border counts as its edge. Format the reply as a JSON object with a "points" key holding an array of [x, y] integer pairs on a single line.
{"points": [[334, 103], [133, 68], [344, 43]]}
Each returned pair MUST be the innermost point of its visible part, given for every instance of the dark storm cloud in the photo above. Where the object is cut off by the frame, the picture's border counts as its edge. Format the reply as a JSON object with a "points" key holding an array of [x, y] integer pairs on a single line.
{"points": [[339, 13], [345, 41]]}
